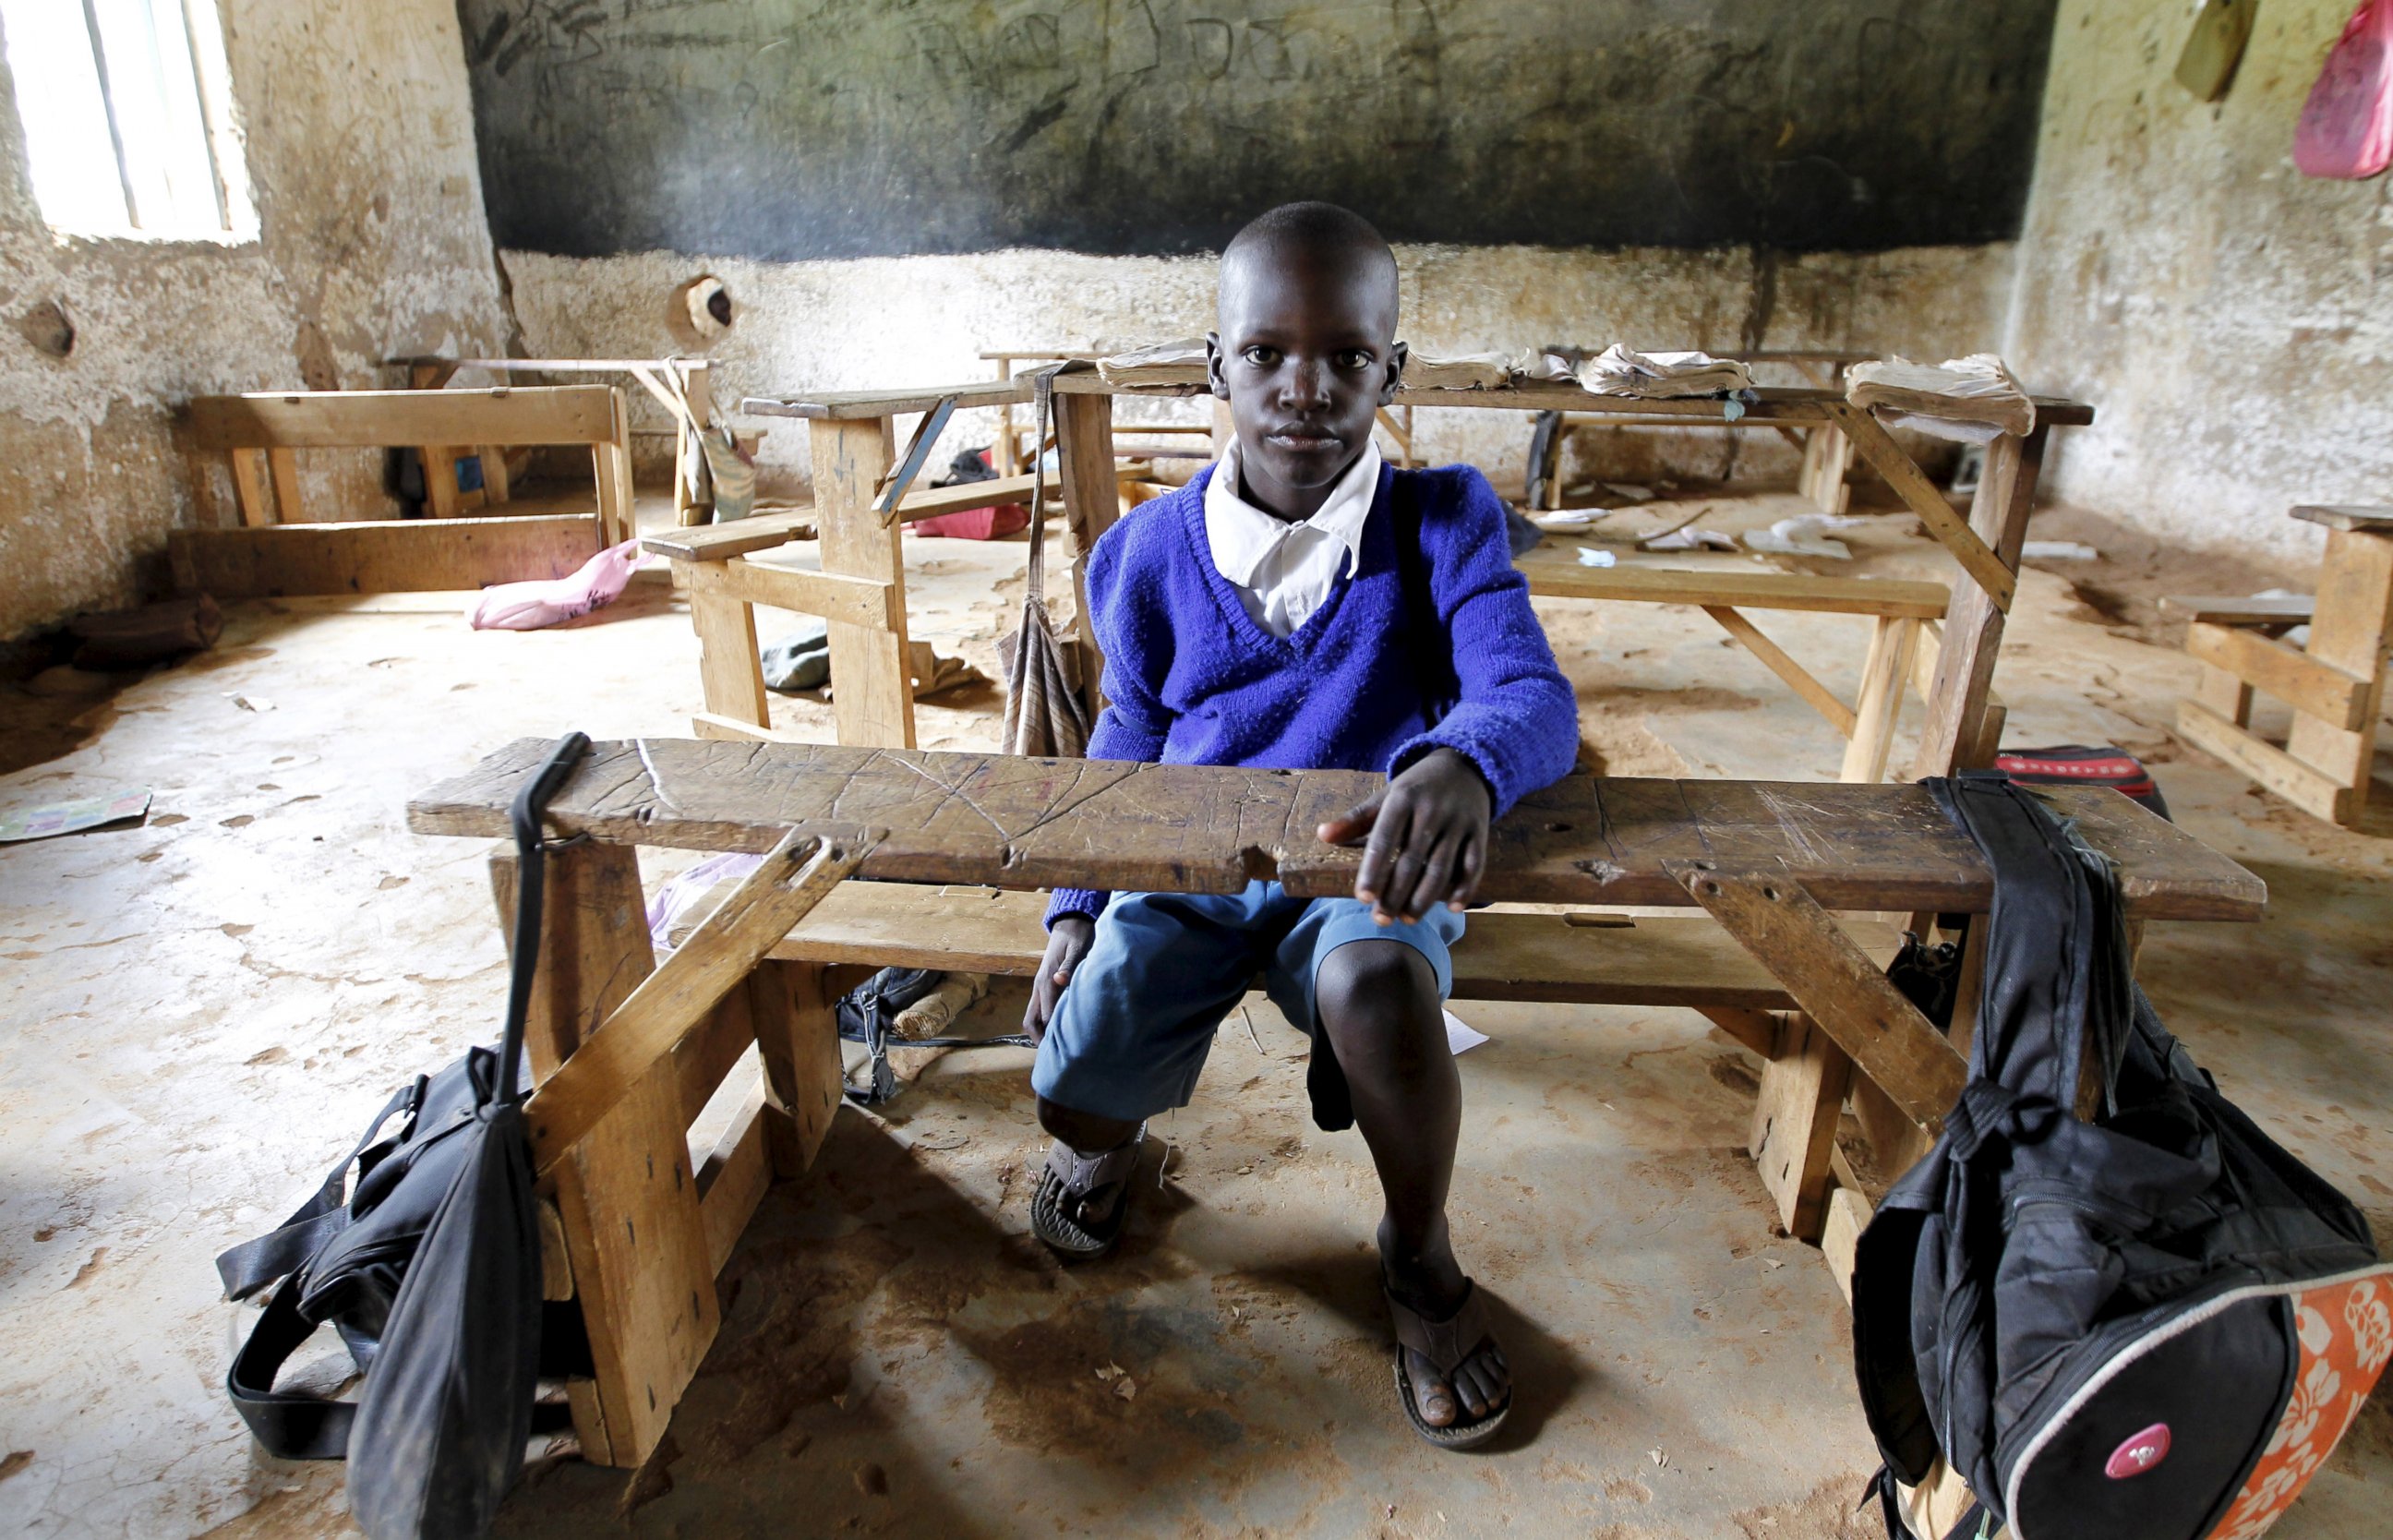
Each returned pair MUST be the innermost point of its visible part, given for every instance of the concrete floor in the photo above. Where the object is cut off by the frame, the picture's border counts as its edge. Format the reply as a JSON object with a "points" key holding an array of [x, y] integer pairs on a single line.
{"points": [[202, 1011]]}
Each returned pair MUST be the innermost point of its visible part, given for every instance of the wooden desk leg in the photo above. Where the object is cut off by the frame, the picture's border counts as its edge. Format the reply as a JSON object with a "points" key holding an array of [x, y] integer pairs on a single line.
{"points": [[730, 671], [249, 488], [1084, 438], [797, 1034], [1893, 641], [1826, 478], [872, 692], [1794, 1123], [627, 1197], [1972, 634]]}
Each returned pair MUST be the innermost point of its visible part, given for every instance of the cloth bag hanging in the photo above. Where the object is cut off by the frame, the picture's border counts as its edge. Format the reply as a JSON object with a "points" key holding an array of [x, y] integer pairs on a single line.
{"points": [[1044, 716], [2347, 127]]}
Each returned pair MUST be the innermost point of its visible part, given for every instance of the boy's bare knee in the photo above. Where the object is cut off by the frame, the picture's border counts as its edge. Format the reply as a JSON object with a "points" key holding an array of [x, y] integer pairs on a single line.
{"points": [[1380, 996]]}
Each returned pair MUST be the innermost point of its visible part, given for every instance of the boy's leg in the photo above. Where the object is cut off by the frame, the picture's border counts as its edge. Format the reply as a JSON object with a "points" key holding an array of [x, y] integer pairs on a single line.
{"points": [[1379, 998], [1128, 1040]]}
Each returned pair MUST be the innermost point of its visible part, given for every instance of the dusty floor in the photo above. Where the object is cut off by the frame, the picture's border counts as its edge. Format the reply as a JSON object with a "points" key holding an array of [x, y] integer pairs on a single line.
{"points": [[200, 1013]]}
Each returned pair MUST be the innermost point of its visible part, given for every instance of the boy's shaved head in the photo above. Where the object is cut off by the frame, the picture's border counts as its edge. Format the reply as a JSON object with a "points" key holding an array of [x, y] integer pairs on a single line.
{"points": [[1306, 350], [1314, 237]]}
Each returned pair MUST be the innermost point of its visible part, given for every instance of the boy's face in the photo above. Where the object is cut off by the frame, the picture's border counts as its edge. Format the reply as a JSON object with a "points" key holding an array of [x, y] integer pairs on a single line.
{"points": [[1306, 355]]}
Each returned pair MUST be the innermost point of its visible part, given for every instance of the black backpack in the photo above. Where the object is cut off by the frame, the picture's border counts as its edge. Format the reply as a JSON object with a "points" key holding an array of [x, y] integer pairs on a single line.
{"points": [[429, 1270], [2152, 1325]]}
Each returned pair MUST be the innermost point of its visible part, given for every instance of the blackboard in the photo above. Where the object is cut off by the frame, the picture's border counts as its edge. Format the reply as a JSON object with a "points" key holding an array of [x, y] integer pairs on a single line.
{"points": [[790, 129]]}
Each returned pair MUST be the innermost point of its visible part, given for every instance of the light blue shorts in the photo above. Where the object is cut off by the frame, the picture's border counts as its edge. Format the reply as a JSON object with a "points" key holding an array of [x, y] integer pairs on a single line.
{"points": [[1130, 1036]]}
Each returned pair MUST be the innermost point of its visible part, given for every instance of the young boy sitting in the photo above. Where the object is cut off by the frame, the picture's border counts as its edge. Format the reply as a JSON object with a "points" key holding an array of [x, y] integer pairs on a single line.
{"points": [[1299, 605]]}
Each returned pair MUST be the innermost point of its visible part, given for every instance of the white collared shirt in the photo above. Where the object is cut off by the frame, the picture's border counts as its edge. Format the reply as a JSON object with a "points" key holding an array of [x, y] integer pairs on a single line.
{"points": [[1282, 571]]}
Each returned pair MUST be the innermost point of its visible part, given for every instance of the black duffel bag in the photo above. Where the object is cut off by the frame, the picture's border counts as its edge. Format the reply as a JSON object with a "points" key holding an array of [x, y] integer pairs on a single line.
{"points": [[430, 1272]]}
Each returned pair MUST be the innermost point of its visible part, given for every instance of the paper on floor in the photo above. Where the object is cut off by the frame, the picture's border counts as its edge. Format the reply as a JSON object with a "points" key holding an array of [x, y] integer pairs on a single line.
{"points": [[1460, 1036], [1589, 557]]}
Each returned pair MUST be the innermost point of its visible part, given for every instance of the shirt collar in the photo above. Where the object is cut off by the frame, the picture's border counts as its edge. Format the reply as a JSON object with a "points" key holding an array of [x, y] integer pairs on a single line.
{"points": [[1243, 535]]}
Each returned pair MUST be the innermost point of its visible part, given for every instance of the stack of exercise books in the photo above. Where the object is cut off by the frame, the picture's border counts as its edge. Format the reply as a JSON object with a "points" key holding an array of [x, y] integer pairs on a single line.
{"points": [[1622, 371], [1971, 400]]}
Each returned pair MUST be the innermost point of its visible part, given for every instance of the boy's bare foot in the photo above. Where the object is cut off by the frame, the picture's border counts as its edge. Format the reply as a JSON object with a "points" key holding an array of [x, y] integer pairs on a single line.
{"points": [[1452, 1373]]}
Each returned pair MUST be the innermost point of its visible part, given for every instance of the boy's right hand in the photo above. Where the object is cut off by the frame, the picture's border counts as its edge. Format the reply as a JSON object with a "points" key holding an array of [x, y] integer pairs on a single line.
{"points": [[1068, 943]]}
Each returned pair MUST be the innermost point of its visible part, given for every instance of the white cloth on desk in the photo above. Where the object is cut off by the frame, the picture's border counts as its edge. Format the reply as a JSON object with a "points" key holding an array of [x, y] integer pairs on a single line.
{"points": [[1284, 571]]}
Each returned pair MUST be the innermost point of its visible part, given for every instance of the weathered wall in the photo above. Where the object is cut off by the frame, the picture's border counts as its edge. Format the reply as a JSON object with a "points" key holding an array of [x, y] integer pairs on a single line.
{"points": [[923, 320], [797, 129], [2231, 318], [360, 150]]}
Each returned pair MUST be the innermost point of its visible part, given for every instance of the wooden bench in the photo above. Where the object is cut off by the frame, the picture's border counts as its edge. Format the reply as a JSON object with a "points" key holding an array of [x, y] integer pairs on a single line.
{"points": [[1827, 452], [626, 1052], [1905, 616], [278, 550], [691, 395], [853, 436], [2336, 684]]}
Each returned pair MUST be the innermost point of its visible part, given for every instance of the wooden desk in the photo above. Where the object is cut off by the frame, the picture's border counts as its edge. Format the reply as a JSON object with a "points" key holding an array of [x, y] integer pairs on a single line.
{"points": [[853, 440], [644, 1229]]}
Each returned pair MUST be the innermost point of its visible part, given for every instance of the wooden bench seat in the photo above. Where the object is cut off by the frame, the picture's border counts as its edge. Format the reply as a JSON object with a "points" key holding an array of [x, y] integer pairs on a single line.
{"points": [[1583, 958], [2223, 611]]}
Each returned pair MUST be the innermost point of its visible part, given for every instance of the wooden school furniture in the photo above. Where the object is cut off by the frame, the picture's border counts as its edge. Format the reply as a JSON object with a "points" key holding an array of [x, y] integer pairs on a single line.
{"points": [[693, 400], [1902, 636], [852, 435], [1827, 450], [625, 1051], [277, 550], [2334, 682]]}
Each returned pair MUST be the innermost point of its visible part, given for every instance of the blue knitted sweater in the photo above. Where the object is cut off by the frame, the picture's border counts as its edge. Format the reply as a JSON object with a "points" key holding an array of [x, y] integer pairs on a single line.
{"points": [[1191, 679]]}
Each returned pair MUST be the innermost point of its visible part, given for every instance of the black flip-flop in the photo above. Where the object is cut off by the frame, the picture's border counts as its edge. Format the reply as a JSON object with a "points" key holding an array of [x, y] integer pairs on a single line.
{"points": [[1447, 1345], [1059, 1208]]}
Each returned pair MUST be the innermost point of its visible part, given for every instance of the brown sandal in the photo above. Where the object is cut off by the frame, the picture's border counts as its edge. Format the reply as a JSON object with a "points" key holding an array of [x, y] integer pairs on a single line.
{"points": [[1447, 1344]]}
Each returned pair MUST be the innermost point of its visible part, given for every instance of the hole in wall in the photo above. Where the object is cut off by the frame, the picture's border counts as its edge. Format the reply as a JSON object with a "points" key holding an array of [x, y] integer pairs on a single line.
{"points": [[46, 326], [699, 312]]}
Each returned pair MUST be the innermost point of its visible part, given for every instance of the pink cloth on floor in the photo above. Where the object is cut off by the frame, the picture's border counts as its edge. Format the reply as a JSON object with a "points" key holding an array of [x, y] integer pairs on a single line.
{"points": [[976, 523], [530, 605], [2346, 127]]}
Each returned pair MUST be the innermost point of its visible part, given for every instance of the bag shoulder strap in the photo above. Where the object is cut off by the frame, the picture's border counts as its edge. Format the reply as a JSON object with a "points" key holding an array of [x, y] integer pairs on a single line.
{"points": [[253, 1265]]}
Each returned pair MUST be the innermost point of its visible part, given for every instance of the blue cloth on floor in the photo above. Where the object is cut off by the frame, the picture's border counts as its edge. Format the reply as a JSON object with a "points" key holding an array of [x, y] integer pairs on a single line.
{"points": [[1130, 1034]]}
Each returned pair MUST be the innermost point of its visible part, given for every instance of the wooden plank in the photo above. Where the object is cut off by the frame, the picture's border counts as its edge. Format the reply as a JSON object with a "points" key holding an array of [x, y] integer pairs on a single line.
{"points": [[284, 466], [730, 673], [868, 406], [644, 1028], [2310, 790], [712, 1048], [1019, 823], [732, 1181], [1836, 984], [381, 556], [2225, 695], [493, 457], [1795, 1122], [1991, 572], [1972, 633], [721, 728], [611, 462], [1762, 1031], [625, 1198], [2308, 683], [405, 419], [1893, 643], [2235, 611], [874, 703], [440, 496], [1825, 478], [865, 601], [641, 1262], [721, 542], [1664, 585], [2349, 631], [2353, 517], [1849, 1214], [1084, 445], [797, 1036], [1799, 678], [249, 488]]}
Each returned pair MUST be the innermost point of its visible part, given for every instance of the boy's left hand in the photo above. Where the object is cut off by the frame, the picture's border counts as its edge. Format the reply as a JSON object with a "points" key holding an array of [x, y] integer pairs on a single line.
{"points": [[1428, 834]]}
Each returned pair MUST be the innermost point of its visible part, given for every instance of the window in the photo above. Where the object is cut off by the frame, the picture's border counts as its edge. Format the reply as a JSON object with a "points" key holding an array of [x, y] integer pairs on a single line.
{"points": [[127, 118]]}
